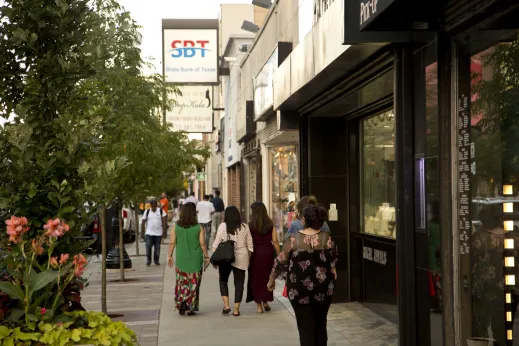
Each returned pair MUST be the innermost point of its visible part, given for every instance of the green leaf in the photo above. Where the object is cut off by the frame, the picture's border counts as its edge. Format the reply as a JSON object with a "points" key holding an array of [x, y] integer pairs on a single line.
{"points": [[4, 331], [76, 335], [15, 292], [15, 315], [42, 279], [19, 335], [8, 341]]}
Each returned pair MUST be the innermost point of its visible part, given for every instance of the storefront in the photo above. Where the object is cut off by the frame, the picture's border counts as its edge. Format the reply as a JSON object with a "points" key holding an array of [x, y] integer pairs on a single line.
{"points": [[284, 186], [251, 163]]}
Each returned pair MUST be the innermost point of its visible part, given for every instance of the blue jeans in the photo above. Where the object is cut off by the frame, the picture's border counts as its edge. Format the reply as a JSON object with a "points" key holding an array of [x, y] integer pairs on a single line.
{"points": [[207, 229], [153, 241]]}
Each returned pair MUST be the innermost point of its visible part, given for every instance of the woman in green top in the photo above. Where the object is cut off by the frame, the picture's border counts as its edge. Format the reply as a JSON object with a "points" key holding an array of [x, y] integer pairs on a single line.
{"points": [[189, 239]]}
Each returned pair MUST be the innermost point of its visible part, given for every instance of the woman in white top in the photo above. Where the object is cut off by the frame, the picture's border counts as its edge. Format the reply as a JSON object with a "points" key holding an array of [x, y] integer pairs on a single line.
{"points": [[232, 228]]}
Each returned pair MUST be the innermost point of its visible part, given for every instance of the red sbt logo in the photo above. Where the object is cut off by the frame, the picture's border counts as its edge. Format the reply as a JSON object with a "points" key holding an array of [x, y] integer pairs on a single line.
{"points": [[189, 48]]}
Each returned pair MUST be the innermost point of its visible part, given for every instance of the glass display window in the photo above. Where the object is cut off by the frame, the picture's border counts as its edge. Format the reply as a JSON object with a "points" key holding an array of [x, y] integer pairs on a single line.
{"points": [[378, 190], [284, 187]]}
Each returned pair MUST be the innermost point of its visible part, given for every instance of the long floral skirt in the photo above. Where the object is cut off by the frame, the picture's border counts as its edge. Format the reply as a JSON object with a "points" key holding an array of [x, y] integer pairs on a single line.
{"points": [[186, 289]]}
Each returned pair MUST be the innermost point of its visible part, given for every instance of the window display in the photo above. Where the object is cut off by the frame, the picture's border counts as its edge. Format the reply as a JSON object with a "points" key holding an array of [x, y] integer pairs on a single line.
{"points": [[284, 188], [378, 196]]}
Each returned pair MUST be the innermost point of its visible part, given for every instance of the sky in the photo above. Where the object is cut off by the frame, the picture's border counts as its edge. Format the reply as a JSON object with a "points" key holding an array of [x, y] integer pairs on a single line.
{"points": [[149, 15]]}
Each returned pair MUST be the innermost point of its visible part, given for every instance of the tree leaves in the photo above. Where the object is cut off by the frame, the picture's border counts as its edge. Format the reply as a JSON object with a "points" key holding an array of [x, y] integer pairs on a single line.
{"points": [[15, 292]]}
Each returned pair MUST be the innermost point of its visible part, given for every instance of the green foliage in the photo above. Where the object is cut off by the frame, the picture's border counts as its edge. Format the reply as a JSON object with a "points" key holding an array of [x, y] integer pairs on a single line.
{"points": [[93, 328]]}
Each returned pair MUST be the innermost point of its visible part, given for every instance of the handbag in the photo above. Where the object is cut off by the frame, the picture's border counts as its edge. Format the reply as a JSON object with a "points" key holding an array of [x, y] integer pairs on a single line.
{"points": [[224, 253]]}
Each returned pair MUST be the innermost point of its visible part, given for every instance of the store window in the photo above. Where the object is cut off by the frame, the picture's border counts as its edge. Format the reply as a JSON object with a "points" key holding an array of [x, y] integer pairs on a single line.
{"points": [[488, 192], [378, 196], [285, 187]]}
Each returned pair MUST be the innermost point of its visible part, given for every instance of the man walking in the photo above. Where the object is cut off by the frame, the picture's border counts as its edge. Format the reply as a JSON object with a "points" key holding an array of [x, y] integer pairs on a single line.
{"points": [[154, 221], [164, 205], [205, 211], [192, 199], [219, 208]]}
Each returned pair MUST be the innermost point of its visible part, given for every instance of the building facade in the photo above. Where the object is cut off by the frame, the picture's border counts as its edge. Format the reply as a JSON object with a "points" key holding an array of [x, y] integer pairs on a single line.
{"points": [[401, 118]]}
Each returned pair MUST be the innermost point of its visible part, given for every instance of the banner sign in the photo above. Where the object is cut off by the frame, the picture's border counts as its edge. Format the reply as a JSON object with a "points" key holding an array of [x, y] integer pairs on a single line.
{"points": [[190, 55], [192, 111]]}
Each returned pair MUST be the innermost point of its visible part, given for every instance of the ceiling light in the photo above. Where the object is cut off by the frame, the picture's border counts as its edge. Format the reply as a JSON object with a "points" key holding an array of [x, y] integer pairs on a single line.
{"points": [[229, 58], [249, 26]]}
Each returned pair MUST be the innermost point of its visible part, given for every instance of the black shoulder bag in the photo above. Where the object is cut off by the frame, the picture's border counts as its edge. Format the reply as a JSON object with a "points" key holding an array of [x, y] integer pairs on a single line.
{"points": [[224, 253]]}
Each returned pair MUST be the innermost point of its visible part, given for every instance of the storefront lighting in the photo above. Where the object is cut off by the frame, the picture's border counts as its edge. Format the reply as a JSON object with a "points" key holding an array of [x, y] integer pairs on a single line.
{"points": [[508, 225], [509, 334], [508, 298], [509, 244], [508, 190], [510, 280], [509, 316], [509, 262], [277, 154], [508, 207]]}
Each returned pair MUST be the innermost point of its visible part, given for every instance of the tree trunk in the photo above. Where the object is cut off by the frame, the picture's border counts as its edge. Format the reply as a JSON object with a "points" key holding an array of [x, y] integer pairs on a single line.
{"points": [[137, 228], [103, 259], [121, 239]]}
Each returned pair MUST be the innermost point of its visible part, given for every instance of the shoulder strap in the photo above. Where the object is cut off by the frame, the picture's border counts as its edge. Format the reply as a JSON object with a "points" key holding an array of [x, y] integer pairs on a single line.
{"points": [[147, 213]]}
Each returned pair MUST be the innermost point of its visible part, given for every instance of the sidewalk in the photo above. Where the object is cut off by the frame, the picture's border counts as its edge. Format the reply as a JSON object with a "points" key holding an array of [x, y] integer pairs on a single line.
{"points": [[146, 300], [138, 299]]}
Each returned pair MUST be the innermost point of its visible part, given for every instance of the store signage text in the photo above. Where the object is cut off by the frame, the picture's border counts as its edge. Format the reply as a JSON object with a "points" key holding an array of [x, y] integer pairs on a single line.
{"points": [[320, 7], [188, 48], [191, 111], [367, 10], [374, 255], [190, 56]]}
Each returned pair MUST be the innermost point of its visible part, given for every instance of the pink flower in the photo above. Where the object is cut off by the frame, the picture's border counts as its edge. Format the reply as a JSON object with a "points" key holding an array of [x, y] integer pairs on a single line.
{"points": [[56, 228], [79, 264], [64, 258], [16, 227], [37, 246], [43, 311], [54, 262]]}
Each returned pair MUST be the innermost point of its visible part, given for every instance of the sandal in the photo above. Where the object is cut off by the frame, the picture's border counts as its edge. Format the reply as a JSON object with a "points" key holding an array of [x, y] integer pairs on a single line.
{"points": [[266, 307], [226, 311], [236, 314]]}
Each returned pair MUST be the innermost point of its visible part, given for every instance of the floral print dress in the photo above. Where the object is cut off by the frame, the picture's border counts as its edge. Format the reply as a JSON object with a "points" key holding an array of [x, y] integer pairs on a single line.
{"points": [[311, 261]]}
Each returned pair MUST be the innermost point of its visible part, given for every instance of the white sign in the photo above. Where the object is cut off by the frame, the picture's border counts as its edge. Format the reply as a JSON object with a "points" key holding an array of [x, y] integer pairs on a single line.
{"points": [[374, 255], [263, 86], [190, 55], [192, 111]]}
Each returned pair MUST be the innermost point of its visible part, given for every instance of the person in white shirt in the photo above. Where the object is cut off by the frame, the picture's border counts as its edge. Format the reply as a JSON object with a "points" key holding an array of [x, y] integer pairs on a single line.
{"points": [[154, 221], [205, 211], [191, 199]]}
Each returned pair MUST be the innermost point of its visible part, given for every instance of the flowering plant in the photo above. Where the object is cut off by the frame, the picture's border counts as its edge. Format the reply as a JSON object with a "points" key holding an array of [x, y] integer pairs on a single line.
{"points": [[38, 279]]}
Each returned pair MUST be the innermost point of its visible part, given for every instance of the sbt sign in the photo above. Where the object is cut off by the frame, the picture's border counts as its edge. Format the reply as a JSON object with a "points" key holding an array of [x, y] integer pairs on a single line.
{"points": [[189, 48], [190, 56]]}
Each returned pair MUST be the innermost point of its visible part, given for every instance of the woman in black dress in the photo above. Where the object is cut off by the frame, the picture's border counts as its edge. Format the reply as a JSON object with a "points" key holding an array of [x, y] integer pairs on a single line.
{"points": [[266, 247], [311, 256]]}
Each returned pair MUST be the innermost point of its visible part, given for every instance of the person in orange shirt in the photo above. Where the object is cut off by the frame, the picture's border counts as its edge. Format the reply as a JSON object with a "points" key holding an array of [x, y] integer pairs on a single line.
{"points": [[164, 204]]}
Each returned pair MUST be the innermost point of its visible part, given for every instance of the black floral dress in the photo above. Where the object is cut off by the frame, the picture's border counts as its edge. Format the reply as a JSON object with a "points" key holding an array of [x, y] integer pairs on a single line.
{"points": [[309, 262]]}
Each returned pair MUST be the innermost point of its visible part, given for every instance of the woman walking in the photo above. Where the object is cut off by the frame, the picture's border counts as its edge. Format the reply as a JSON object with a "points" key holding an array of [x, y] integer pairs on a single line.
{"points": [[266, 248], [189, 239], [311, 257], [297, 224], [233, 229]]}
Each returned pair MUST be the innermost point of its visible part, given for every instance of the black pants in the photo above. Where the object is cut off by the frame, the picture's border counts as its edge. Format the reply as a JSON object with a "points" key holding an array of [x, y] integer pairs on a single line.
{"points": [[239, 281], [153, 241], [311, 323]]}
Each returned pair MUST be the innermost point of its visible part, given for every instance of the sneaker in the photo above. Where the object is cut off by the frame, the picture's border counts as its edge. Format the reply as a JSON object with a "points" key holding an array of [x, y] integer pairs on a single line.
{"points": [[148, 264]]}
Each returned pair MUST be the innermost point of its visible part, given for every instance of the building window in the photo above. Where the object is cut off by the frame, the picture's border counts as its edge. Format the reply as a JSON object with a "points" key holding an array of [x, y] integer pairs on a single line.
{"points": [[284, 188], [378, 196]]}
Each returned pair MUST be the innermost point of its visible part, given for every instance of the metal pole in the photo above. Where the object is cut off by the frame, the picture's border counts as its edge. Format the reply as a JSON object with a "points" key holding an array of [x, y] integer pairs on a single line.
{"points": [[103, 259]]}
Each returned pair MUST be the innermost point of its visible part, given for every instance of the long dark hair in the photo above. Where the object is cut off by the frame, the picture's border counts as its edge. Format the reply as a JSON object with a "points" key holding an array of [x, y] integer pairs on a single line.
{"points": [[232, 219], [260, 221], [187, 216]]}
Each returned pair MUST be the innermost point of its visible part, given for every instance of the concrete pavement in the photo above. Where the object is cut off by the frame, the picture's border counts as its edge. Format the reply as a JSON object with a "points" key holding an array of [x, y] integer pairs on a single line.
{"points": [[145, 302]]}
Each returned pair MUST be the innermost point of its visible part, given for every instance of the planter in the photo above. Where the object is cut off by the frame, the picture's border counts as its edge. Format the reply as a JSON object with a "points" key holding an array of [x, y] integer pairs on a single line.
{"points": [[481, 342]]}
